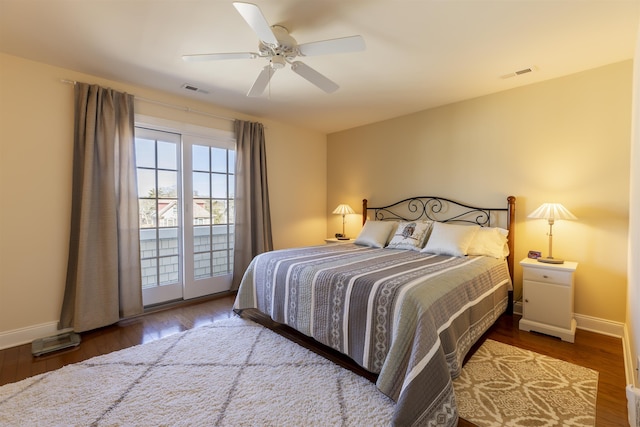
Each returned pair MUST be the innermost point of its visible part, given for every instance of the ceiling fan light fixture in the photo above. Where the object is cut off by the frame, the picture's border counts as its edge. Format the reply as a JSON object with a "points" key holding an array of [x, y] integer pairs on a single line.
{"points": [[278, 62]]}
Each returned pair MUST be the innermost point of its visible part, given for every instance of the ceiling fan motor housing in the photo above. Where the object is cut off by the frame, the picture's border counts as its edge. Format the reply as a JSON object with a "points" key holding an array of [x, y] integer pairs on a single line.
{"points": [[287, 47]]}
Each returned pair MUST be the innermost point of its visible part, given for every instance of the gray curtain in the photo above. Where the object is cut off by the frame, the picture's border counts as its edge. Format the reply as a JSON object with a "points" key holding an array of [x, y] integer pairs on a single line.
{"points": [[253, 218], [103, 272]]}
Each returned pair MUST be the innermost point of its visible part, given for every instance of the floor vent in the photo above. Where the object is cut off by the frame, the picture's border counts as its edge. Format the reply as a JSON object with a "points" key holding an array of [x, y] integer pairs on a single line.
{"points": [[57, 342]]}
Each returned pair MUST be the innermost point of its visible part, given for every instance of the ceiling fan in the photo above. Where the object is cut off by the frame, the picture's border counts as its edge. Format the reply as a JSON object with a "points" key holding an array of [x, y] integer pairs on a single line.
{"points": [[280, 49]]}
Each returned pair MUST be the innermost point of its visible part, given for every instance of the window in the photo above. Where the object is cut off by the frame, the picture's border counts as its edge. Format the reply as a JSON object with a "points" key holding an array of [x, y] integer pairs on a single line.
{"points": [[157, 160], [186, 207], [213, 186]]}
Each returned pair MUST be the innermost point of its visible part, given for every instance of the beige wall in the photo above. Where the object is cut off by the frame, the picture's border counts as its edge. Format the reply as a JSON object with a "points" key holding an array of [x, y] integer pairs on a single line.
{"points": [[36, 127], [564, 140]]}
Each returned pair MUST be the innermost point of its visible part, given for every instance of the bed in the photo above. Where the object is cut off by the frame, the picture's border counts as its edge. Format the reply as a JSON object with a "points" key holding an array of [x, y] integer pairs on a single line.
{"points": [[406, 305]]}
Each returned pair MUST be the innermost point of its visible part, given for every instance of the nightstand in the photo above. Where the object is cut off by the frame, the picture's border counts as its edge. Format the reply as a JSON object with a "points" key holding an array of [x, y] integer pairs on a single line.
{"points": [[547, 298], [335, 240]]}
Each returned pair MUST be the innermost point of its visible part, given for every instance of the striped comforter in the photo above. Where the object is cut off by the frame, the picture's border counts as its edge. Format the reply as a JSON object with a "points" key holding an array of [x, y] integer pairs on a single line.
{"points": [[409, 316]]}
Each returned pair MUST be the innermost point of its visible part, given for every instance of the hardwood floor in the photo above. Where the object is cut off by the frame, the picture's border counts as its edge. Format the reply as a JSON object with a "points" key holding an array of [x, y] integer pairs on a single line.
{"points": [[595, 351]]}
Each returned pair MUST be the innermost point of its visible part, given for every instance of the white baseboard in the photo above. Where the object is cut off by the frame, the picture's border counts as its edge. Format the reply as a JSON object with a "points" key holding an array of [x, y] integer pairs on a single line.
{"points": [[632, 376], [600, 326], [26, 335]]}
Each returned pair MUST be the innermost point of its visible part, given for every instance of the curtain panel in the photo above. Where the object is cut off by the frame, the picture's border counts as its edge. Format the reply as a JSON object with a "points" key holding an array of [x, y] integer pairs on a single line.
{"points": [[103, 273], [252, 212]]}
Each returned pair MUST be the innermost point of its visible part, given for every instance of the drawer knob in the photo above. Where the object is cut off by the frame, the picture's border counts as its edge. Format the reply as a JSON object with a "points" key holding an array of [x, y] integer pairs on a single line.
{"points": [[545, 276], [526, 300]]}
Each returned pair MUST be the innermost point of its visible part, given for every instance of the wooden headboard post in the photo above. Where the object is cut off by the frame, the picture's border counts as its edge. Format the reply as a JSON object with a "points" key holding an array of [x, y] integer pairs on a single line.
{"points": [[511, 226], [364, 211]]}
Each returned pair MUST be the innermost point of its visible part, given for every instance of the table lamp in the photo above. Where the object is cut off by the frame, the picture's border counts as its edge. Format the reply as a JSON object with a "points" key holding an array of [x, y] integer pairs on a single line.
{"points": [[551, 212], [343, 210]]}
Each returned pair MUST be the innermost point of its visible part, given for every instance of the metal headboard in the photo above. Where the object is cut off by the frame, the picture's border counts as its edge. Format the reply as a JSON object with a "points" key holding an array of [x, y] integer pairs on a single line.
{"points": [[445, 210]]}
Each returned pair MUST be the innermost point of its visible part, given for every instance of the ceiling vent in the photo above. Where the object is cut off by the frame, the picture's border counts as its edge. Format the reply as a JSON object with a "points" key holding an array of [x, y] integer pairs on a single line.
{"points": [[192, 88], [519, 72]]}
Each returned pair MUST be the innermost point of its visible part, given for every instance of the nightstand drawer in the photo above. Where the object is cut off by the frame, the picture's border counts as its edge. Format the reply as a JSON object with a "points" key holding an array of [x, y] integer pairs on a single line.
{"points": [[548, 276]]}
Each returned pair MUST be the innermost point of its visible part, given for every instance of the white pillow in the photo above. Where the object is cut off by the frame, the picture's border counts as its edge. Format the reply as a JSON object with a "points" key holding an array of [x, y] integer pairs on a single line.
{"points": [[505, 238], [410, 235], [375, 233], [490, 242], [450, 239]]}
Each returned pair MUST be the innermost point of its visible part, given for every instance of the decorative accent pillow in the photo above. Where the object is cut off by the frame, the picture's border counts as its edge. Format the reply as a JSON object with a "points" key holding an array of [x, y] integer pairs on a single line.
{"points": [[450, 239], [490, 242], [375, 233], [410, 235]]}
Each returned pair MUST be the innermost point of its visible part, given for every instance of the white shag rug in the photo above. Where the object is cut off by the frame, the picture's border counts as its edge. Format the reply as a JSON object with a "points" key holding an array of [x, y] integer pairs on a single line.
{"points": [[230, 373]]}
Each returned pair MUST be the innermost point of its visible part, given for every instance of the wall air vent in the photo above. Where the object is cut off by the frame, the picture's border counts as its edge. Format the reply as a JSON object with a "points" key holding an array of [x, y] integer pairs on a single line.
{"points": [[519, 72], [193, 88]]}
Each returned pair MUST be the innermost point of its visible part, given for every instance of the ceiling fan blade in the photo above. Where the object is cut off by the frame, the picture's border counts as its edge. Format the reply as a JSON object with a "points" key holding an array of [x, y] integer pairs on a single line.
{"points": [[261, 82], [314, 77], [340, 45], [256, 20], [219, 56]]}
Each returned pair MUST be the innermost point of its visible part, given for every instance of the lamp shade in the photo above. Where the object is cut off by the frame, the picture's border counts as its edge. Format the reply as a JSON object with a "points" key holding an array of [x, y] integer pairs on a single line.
{"points": [[551, 211], [343, 209]]}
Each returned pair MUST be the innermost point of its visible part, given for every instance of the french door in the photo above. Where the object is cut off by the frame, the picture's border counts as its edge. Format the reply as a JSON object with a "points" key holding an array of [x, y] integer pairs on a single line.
{"points": [[186, 207], [209, 215]]}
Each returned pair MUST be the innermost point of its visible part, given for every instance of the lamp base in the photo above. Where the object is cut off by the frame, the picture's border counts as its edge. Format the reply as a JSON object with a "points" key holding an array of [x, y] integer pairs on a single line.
{"points": [[551, 260]]}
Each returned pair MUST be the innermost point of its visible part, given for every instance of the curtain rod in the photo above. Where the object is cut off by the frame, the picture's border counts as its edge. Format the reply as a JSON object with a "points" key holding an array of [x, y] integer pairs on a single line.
{"points": [[166, 104]]}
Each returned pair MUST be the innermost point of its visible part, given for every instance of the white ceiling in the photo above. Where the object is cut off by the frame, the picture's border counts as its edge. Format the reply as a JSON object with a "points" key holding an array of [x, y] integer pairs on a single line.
{"points": [[420, 53]]}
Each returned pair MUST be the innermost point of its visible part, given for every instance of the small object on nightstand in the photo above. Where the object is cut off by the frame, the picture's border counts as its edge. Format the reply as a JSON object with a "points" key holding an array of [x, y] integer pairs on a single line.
{"points": [[547, 298], [534, 254]]}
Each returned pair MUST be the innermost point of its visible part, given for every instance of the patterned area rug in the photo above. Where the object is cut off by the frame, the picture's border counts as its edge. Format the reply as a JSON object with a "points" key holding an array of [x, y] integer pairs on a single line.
{"points": [[231, 373], [502, 385]]}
